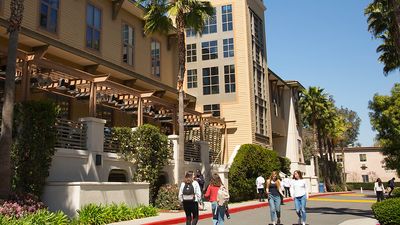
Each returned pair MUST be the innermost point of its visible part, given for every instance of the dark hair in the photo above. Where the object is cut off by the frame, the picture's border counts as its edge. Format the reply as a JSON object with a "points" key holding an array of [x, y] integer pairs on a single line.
{"points": [[271, 178], [198, 173], [188, 177], [299, 173], [216, 180], [379, 181]]}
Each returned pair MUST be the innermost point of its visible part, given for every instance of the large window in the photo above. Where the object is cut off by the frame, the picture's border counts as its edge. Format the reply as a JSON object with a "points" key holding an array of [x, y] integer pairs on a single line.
{"points": [[209, 50], [48, 14], [210, 81], [365, 178], [93, 27], [227, 18], [155, 58], [190, 32], [229, 74], [213, 108], [191, 54], [363, 157], [228, 48], [210, 24], [192, 78], [128, 48]]}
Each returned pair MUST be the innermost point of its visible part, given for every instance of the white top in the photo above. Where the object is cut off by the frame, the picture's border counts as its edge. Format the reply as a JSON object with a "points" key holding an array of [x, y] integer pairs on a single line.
{"points": [[379, 188], [286, 182], [260, 181], [197, 191], [298, 188]]}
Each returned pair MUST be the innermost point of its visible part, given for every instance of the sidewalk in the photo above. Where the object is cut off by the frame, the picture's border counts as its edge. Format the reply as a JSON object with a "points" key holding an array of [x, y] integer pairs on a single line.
{"points": [[179, 217]]}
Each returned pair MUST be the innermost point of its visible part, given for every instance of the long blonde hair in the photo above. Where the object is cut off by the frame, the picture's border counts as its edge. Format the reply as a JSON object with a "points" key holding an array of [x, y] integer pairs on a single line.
{"points": [[277, 181]]}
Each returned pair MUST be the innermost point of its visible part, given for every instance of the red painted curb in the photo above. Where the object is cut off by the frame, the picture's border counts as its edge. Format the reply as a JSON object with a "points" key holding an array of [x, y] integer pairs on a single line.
{"points": [[237, 209]]}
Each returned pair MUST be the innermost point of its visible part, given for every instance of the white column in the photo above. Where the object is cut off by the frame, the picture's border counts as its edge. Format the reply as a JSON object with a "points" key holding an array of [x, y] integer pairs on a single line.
{"points": [[177, 166], [94, 133], [205, 159]]}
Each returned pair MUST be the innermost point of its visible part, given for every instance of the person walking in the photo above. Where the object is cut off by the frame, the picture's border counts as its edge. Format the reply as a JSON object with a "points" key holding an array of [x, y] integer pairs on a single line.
{"points": [[200, 179], [286, 186], [274, 193], [216, 197], [391, 185], [299, 192], [379, 190], [190, 195], [260, 184]]}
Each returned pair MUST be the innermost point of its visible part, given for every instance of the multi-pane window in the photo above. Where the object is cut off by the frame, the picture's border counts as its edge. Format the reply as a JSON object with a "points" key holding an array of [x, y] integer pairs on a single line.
{"points": [[209, 50], [191, 54], [229, 74], [192, 78], [227, 18], [365, 178], [228, 48], [213, 108], [363, 157], [210, 81], [93, 27], [155, 58], [190, 32], [128, 48], [339, 158], [48, 14], [210, 24]]}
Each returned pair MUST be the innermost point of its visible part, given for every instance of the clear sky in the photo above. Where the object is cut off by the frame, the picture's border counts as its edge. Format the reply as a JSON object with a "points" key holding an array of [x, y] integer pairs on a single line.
{"points": [[327, 44]]}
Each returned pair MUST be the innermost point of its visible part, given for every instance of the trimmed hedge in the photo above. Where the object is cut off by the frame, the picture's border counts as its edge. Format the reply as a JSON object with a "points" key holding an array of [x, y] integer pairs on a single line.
{"points": [[250, 161], [167, 197], [396, 193], [367, 186], [387, 212]]}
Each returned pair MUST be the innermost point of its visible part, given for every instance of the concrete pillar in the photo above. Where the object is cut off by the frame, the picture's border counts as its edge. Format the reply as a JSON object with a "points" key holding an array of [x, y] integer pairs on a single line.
{"points": [[94, 133], [177, 170], [205, 159]]}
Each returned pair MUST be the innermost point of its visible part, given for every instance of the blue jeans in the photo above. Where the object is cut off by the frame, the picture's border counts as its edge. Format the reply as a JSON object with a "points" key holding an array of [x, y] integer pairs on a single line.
{"points": [[300, 205], [274, 206], [218, 213]]}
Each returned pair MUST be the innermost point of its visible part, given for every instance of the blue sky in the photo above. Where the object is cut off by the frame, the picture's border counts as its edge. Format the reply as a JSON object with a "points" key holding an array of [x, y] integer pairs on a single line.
{"points": [[327, 44]]}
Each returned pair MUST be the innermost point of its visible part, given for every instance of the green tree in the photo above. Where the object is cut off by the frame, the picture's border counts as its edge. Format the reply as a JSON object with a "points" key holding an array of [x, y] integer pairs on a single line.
{"points": [[385, 119], [162, 16], [14, 25]]}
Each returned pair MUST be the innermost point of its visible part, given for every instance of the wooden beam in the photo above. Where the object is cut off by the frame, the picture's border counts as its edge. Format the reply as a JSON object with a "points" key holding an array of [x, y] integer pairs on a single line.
{"points": [[40, 51], [116, 7], [140, 112], [92, 100], [26, 87], [91, 68]]}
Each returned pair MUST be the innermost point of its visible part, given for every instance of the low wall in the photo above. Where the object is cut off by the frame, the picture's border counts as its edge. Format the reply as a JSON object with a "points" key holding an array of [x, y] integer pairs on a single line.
{"points": [[71, 196]]}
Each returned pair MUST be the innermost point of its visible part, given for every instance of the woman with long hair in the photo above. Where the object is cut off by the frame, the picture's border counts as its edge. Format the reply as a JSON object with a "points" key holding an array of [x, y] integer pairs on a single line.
{"points": [[299, 192], [190, 196], [218, 210], [274, 192], [379, 190]]}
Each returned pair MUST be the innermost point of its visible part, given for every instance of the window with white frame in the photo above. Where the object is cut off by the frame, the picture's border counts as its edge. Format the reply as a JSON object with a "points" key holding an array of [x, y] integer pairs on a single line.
{"points": [[227, 24], [93, 27], [191, 53], [228, 47], [209, 50], [363, 157], [128, 48], [48, 14], [210, 24], [190, 32], [213, 108], [192, 78], [155, 58], [210, 81], [229, 74], [365, 178]]}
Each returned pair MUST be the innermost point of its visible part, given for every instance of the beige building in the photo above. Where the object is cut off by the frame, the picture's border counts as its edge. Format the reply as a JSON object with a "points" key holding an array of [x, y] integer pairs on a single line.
{"points": [[365, 164]]}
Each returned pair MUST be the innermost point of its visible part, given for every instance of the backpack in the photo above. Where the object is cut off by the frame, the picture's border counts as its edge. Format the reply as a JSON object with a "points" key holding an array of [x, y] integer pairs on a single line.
{"points": [[222, 196], [188, 193]]}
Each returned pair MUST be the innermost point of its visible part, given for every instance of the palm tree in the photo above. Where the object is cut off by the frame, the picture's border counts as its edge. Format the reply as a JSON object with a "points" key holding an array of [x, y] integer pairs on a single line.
{"points": [[161, 16], [17, 9]]}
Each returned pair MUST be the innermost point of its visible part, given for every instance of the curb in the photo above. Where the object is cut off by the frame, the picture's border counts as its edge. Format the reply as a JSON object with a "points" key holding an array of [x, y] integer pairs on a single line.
{"points": [[237, 209]]}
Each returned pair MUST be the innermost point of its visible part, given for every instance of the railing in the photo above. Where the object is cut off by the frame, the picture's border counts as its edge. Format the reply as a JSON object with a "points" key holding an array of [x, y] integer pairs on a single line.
{"points": [[192, 152], [110, 144], [213, 136], [70, 134]]}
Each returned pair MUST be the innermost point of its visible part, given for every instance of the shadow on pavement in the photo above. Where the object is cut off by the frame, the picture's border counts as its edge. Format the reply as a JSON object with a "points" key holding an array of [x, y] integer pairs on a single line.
{"points": [[341, 211]]}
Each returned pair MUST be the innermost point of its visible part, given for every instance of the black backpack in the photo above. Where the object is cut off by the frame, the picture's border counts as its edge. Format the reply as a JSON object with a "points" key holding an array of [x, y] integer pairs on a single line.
{"points": [[188, 192]]}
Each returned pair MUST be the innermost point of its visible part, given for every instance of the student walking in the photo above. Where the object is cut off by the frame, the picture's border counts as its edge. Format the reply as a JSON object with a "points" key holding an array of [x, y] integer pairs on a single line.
{"points": [[190, 195], [200, 179], [286, 186], [379, 190], [391, 185], [217, 196], [274, 192], [299, 192], [260, 184]]}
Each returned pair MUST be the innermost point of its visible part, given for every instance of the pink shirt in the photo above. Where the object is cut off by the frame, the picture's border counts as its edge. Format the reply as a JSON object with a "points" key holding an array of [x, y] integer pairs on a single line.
{"points": [[212, 193]]}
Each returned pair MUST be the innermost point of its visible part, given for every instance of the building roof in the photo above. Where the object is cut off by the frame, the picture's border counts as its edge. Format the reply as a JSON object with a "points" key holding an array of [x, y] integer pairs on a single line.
{"points": [[363, 149]]}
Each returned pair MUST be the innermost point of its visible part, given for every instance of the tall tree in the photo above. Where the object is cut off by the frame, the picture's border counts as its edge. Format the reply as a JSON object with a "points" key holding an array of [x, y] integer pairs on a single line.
{"points": [[385, 119], [162, 16], [17, 9]]}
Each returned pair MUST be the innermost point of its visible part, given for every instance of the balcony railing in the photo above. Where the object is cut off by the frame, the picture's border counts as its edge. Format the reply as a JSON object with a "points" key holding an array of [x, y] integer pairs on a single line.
{"points": [[110, 143], [192, 152], [70, 134]]}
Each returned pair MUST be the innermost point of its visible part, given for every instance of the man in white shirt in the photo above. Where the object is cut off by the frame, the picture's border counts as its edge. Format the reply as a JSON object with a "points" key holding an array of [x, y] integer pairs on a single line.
{"points": [[260, 183], [286, 186]]}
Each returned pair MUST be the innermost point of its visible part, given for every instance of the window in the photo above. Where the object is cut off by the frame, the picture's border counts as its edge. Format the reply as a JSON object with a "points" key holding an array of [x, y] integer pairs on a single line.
{"points": [[210, 81], [155, 58], [190, 32], [48, 14], [128, 48], [191, 55], [93, 27], [365, 178], [339, 158], [229, 72], [228, 48], [210, 24], [209, 50], [214, 109], [192, 78], [363, 157], [227, 18]]}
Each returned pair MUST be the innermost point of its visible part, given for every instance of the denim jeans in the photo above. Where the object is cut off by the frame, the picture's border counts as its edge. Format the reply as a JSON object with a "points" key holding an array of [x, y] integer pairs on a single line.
{"points": [[300, 205], [274, 206], [218, 213]]}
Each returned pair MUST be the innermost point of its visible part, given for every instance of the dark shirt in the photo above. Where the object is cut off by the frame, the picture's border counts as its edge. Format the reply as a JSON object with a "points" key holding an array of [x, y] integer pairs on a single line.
{"points": [[391, 183], [273, 189]]}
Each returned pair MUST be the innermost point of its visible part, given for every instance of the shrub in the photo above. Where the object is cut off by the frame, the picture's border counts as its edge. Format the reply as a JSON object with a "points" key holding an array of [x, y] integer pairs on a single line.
{"points": [[396, 192], [387, 212], [250, 161], [285, 165], [365, 186], [337, 188], [167, 197], [21, 205], [39, 217]]}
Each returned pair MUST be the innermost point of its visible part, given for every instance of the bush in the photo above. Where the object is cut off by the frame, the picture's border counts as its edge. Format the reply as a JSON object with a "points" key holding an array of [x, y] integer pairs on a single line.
{"points": [[20, 205], [285, 165], [39, 217], [396, 193], [366, 186], [337, 188], [250, 161], [387, 212], [167, 197]]}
